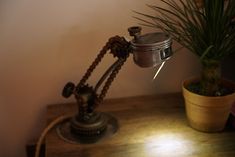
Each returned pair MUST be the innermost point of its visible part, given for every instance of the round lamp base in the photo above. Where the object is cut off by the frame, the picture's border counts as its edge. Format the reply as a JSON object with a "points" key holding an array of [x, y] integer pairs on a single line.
{"points": [[79, 133]]}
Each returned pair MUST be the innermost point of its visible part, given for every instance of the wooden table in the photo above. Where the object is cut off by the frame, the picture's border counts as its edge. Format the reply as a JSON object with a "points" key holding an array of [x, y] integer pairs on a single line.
{"points": [[150, 126]]}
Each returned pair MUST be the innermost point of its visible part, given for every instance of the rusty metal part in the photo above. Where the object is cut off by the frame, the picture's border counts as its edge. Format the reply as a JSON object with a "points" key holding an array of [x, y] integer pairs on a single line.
{"points": [[106, 74], [134, 31], [87, 122], [148, 50], [119, 48], [90, 136], [110, 80], [92, 124]]}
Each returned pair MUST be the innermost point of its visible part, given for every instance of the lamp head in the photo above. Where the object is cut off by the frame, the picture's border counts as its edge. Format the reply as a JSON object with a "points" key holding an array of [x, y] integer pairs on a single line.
{"points": [[151, 49]]}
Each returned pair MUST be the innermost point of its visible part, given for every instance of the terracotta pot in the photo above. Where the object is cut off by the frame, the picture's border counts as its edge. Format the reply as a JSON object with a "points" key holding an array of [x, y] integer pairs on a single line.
{"points": [[208, 114]]}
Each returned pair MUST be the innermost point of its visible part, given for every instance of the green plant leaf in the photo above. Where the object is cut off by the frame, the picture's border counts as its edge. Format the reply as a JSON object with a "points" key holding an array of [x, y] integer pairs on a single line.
{"points": [[206, 52]]}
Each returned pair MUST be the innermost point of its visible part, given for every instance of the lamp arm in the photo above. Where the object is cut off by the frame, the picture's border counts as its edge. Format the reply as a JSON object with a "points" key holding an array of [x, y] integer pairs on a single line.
{"points": [[119, 64], [106, 74], [86, 94], [93, 65], [118, 46]]}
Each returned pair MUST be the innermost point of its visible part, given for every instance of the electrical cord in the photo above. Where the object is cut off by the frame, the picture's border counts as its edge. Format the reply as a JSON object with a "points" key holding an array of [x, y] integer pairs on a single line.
{"points": [[47, 129]]}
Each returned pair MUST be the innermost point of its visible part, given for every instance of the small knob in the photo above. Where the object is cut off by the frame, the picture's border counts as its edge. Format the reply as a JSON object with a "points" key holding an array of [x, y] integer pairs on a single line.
{"points": [[134, 31], [68, 89]]}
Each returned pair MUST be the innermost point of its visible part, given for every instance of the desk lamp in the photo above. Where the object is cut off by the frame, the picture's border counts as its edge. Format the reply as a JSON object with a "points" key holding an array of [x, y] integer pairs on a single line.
{"points": [[88, 125]]}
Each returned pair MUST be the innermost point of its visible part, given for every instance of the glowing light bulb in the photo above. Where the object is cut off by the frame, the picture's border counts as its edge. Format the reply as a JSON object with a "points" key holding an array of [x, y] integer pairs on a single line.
{"points": [[159, 69]]}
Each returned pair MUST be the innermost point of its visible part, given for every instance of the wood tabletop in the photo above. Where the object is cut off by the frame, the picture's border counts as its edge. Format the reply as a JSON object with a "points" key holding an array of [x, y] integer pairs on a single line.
{"points": [[150, 126]]}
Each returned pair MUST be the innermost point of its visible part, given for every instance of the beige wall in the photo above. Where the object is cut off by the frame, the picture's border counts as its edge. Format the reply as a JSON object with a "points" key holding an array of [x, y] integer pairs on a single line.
{"points": [[44, 44]]}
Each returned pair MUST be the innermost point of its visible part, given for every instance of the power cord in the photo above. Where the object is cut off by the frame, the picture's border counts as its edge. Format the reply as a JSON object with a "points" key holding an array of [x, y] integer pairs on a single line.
{"points": [[47, 129]]}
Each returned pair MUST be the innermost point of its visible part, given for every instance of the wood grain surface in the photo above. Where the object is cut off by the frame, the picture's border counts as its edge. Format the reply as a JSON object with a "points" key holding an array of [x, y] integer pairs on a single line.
{"points": [[150, 126]]}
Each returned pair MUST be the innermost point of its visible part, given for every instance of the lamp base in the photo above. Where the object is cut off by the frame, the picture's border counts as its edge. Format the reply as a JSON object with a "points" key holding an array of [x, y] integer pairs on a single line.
{"points": [[101, 126]]}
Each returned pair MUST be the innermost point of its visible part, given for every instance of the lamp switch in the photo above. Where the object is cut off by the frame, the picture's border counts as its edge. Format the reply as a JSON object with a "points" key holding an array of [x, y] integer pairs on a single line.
{"points": [[166, 53]]}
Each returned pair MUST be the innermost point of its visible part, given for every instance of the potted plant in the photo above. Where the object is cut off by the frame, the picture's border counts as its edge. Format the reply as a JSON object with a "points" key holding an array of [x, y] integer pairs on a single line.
{"points": [[204, 28]]}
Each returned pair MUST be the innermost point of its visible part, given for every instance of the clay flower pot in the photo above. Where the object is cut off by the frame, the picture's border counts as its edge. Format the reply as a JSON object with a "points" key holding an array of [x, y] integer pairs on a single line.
{"points": [[205, 113]]}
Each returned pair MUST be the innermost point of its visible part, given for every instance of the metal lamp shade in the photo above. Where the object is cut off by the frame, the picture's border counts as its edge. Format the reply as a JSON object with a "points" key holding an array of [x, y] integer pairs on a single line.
{"points": [[151, 49]]}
